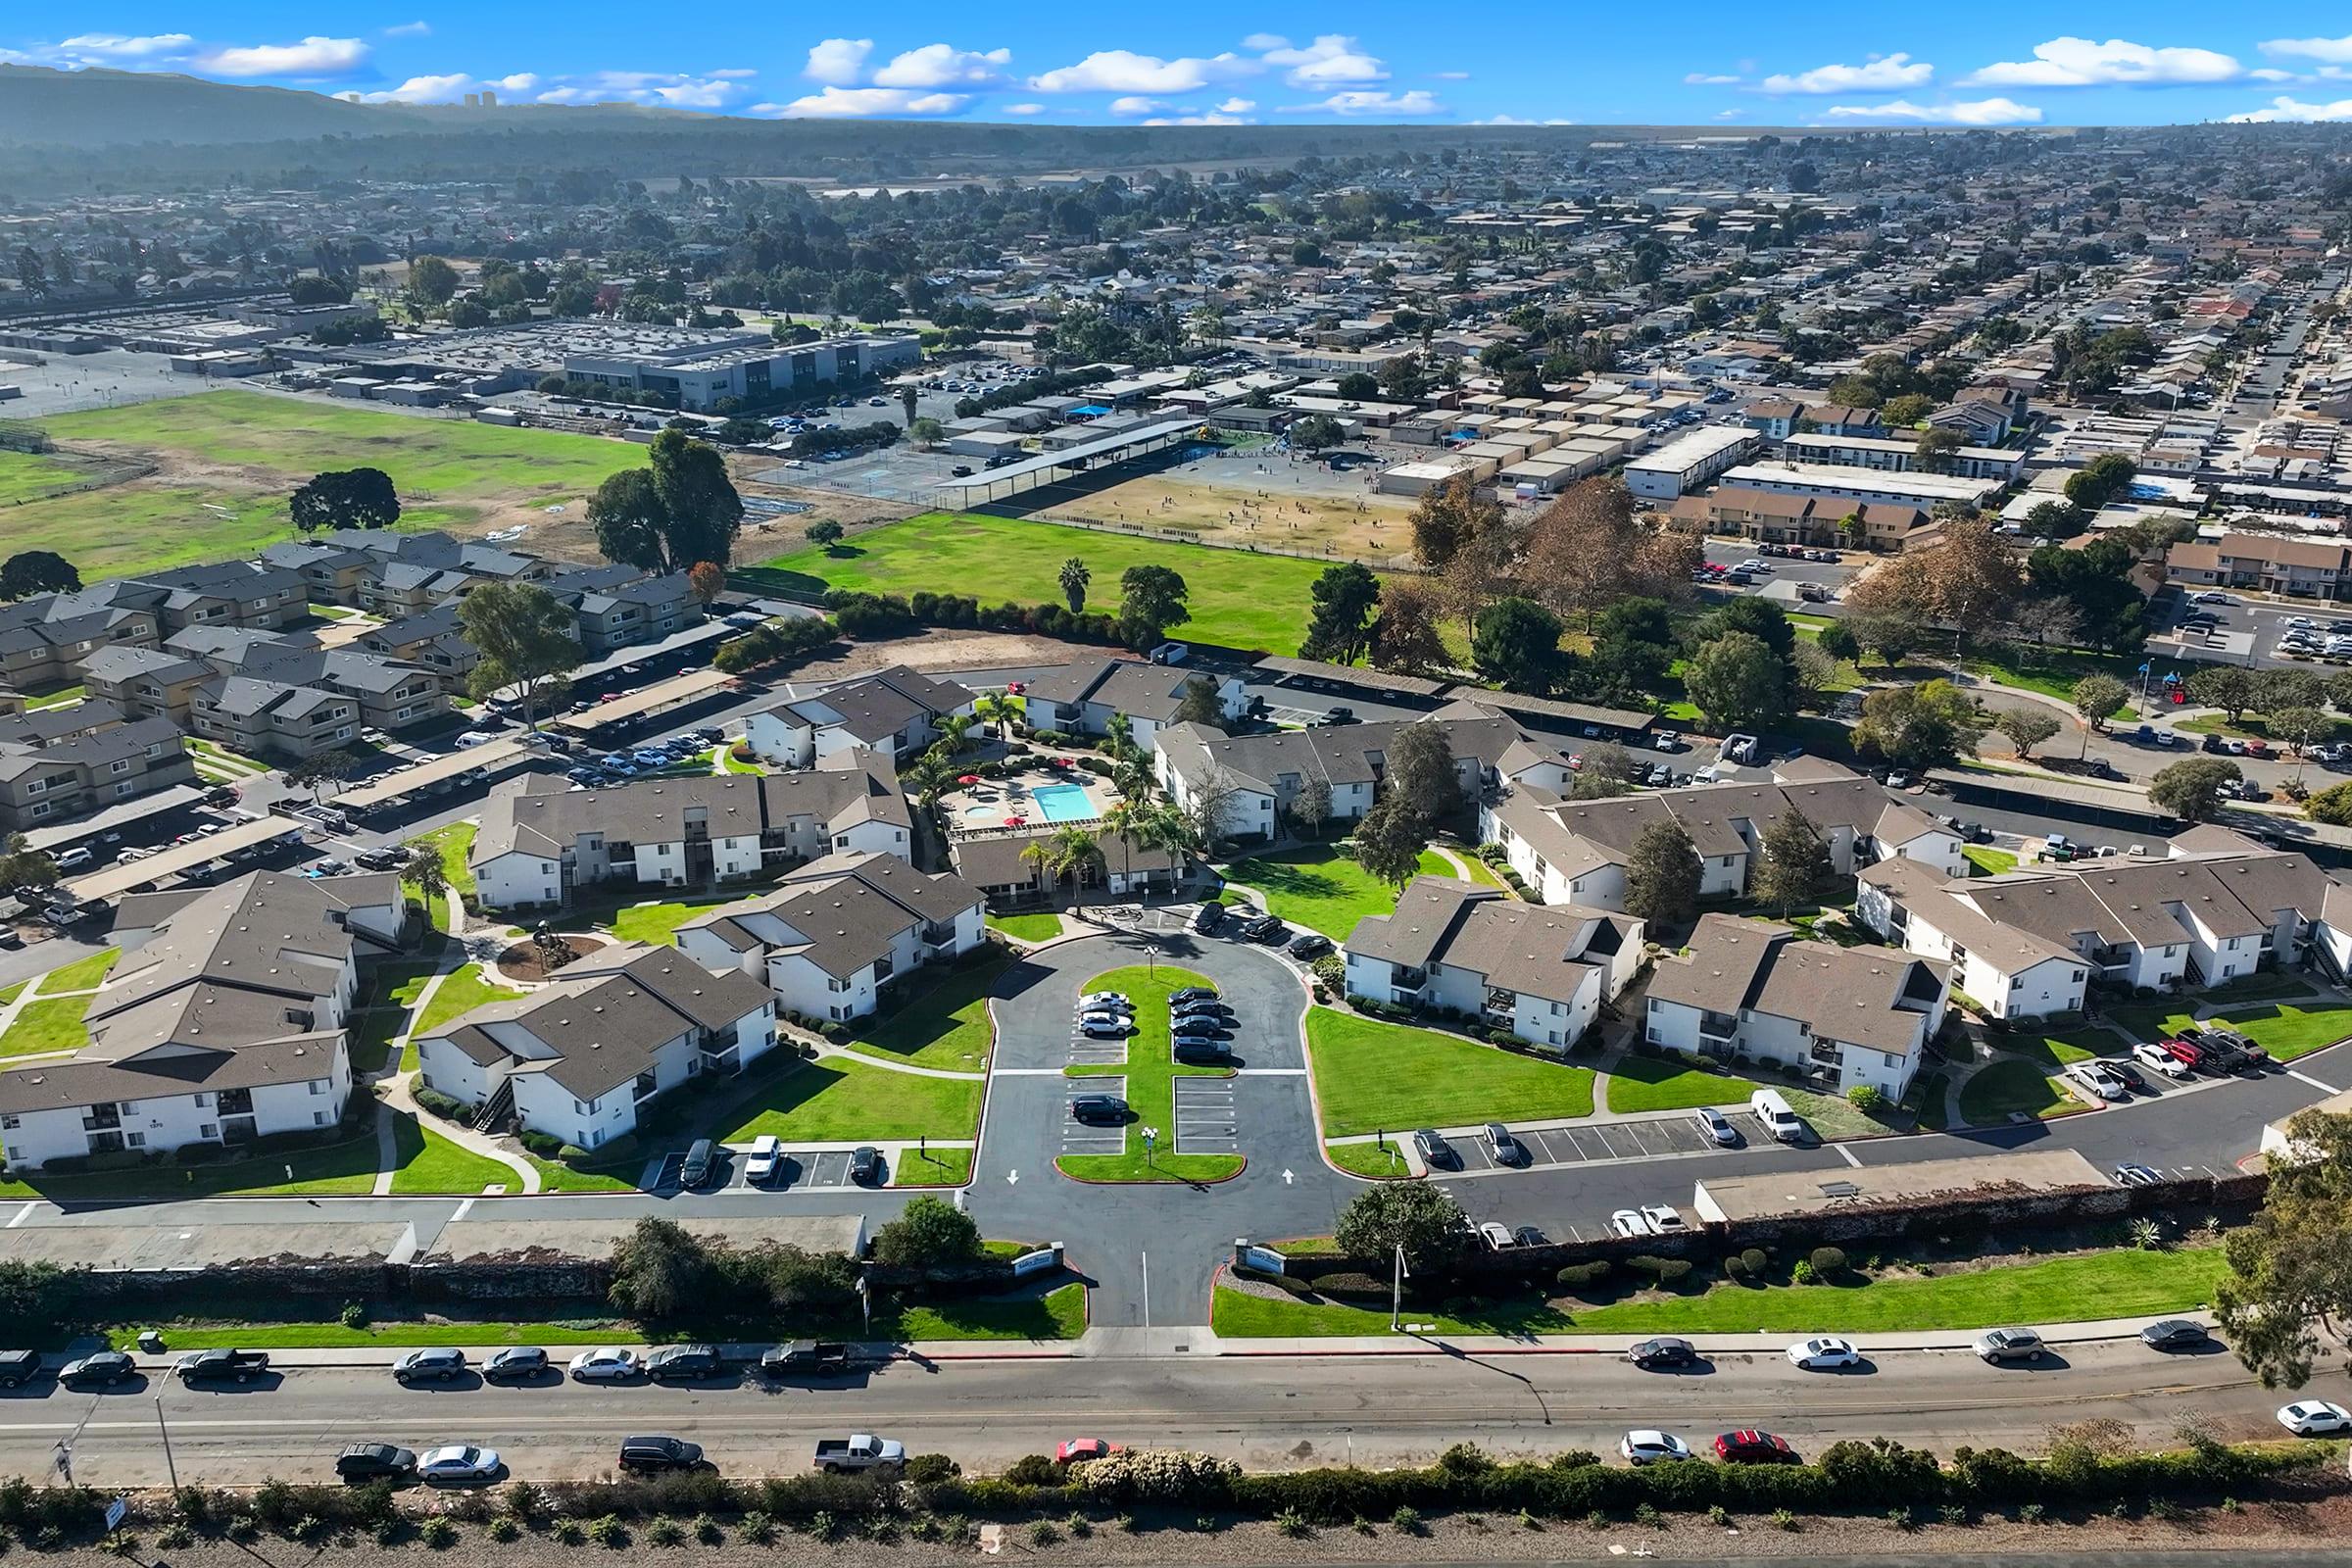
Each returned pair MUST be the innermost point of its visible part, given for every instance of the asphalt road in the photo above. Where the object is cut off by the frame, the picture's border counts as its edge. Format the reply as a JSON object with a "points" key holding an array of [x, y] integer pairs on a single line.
{"points": [[1381, 1409]]}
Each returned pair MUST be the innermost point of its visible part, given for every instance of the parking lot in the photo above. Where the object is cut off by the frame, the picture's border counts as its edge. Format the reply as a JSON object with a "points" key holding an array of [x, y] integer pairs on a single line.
{"points": [[1654, 1138], [1086, 1050], [1205, 1120], [1092, 1138], [797, 1171]]}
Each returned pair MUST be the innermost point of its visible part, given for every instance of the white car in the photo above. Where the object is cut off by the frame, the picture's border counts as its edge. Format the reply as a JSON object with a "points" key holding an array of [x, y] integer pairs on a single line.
{"points": [[1102, 1026], [2212, 596], [1663, 1219], [1648, 1446], [1714, 1127], [2098, 1080], [2157, 1057], [1629, 1222], [605, 1365], [2314, 1418], [766, 1158], [1823, 1355], [457, 1464], [1105, 1001], [475, 737]]}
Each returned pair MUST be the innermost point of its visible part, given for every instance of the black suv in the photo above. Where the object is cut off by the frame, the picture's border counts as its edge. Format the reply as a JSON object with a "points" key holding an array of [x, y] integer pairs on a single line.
{"points": [[685, 1361], [18, 1367], [651, 1453], [363, 1462], [1211, 917]]}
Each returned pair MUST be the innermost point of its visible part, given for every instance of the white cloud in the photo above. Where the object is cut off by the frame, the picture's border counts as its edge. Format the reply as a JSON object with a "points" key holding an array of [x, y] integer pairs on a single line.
{"points": [[939, 65], [451, 88], [1125, 71], [661, 89], [2117, 63], [409, 29], [1024, 110], [1981, 112], [1417, 101], [312, 57], [1332, 59], [1197, 120], [1237, 106], [1880, 74], [116, 46], [1514, 119], [855, 103], [1135, 105], [1708, 78], [1260, 43], [2291, 111], [2339, 50], [1449, 75], [839, 61], [2270, 73]]}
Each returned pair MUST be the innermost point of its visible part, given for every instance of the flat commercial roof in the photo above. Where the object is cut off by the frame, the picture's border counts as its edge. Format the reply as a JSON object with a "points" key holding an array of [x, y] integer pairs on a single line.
{"points": [[407, 780], [1830, 478], [116, 880], [1624, 718], [176, 797], [1819, 1191], [670, 693], [1014, 477], [1372, 680]]}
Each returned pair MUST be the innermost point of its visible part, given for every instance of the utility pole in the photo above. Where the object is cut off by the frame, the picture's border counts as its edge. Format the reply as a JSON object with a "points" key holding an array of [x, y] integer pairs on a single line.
{"points": [[171, 1469], [1396, 1292]]}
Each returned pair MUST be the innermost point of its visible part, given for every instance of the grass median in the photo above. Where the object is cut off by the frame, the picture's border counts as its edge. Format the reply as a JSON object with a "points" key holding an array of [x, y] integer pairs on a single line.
{"points": [[1372, 1076], [1322, 888], [1151, 1071]]}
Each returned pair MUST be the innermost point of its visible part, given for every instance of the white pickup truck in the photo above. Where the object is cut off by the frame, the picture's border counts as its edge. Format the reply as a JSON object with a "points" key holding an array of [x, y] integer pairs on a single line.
{"points": [[862, 1451]]}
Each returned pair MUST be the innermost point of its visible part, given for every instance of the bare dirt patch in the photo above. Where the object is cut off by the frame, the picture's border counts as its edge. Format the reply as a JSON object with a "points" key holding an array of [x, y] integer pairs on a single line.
{"points": [[525, 961], [939, 649], [1277, 509]]}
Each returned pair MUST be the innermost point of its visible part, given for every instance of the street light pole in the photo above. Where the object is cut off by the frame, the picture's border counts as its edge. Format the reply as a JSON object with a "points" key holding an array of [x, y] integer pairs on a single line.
{"points": [[171, 1469], [1396, 1292]]}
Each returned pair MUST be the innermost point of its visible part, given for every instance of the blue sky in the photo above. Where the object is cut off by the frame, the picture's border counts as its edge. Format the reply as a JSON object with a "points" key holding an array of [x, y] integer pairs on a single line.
{"points": [[1699, 62]]}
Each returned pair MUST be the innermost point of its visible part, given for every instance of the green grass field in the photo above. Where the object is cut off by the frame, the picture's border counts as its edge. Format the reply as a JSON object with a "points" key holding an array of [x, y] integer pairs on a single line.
{"points": [[47, 1023], [1371, 1076], [659, 922], [453, 843], [1030, 928], [1651, 1083], [840, 1100], [464, 990], [431, 1163], [947, 1026], [1988, 862], [1322, 888], [1238, 599], [31, 475], [1150, 1072], [447, 471], [2007, 1086], [2118, 1284], [932, 1168], [83, 974], [1378, 1161]]}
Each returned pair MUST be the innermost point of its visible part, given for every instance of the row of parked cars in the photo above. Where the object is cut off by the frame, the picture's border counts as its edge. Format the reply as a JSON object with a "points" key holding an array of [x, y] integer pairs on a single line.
{"points": [[1212, 919], [615, 767], [2213, 1050]]}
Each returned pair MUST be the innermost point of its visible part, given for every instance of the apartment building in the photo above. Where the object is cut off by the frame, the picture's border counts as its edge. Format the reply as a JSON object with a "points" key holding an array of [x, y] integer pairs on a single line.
{"points": [[62, 762], [1794, 520], [2273, 564], [398, 573], [283, 698], [1454, 947], [1849, 487], [45, 638], [1893, 455], [1080, 699], [1575, 852], [222, 1023], [839, 931], [581, 1058], [433, 640], [539, 842], [1754, 991], [1689, 461], [616, 605], [145, 682], [895, 711]]}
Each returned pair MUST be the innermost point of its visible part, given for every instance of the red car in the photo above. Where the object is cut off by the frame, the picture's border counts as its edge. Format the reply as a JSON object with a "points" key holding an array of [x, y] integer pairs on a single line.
{"points": [[2182, 1051], [1077, 1450], [1753, 1447]]}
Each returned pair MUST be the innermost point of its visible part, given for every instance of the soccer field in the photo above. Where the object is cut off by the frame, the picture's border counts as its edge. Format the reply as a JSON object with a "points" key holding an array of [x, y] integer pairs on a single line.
{"points": [[227, 460], [1238, 599]]}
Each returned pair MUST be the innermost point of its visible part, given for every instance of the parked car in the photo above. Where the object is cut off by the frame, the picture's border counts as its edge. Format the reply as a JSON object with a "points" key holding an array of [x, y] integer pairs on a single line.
{"points": [[1778, 1118], [1753, 1447], [459, 1464], [2133, 1174], [841, 1455], [2314, 1418], [1434, 1149], [1664, 1351], [363, 1462], [516, 1363], [2097, 1081], [222, 1366], [102, 1370], [18, 1367], [2153, 1054], [865, 1165], [605, 1365], [1996, 1345], [1506, 1148], [1628, 1222], [806, 1358], [1104, 1025], [1264, 928], [1309, 945], [1209, 918], [1715, 1127], [1192, 994], [1647, 1446], [649, 1455], [1082, 1450], [704, 1161], [674, 1362], [2174, 1333], [441, 1364], [1105, 1001], [1826, 1353], [1097, 1109]]}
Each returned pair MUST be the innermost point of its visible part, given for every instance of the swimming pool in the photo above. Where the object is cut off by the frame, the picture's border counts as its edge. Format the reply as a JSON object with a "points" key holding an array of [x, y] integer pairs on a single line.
{"points": [[1063, 802]]}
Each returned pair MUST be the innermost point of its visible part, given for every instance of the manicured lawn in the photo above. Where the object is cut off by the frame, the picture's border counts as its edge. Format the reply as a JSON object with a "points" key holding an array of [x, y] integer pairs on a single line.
{"points": [[2287, 1031], [556, 1177], [839, 1100], [383, 981], [452, 842], [1322, 888], [729, 762], [2004, 1087], [2054, 1051], [1027, 927], [1371, 1076], [464, 990], [659, 922], [932, 1168], [447, 471], [1656, 1083], [1150, 1072], [2117, 1284], [947, 1026], [373, 1030], [9, 994], [1240, 1315], [1375, 1160], [1058, 1315], [1239, 599], [1479, 871], [431, 1163], [83, 974], [1988, 862], [337, 1171], [51, 1023]]}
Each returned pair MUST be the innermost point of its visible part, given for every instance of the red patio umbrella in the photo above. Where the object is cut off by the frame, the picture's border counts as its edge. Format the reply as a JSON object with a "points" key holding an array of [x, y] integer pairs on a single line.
{"points": [[1015, 821], [967, 779]]}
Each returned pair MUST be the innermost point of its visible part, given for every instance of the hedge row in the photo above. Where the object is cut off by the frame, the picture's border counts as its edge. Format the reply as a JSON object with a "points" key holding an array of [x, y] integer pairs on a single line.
{"points": [[774, 642], [869, 615]]}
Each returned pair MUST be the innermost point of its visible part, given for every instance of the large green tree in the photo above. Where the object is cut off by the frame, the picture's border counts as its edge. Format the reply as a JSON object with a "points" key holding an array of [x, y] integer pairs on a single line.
{"points": [[345, 498], [37, 571], [2191, 789], [1794, 867], [1736, 681], [1933, 725], [1420, 1218], [929, 1233], [630, 522], [527, 637], [1152, 600], [1339, 626], [1662, 874], [703, 510], [2291, 1271], [1390, 839], [1515, 643], [1421, 769]]}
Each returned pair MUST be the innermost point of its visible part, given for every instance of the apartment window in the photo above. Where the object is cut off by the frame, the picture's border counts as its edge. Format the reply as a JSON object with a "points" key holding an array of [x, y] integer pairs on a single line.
{"points": [[119, 765], [317, 1087], [134, 1140], [125, 789], [11, 1123], [208, 1130], [579, 1107], [837, 985], [203, 1098], [318, 1119]]}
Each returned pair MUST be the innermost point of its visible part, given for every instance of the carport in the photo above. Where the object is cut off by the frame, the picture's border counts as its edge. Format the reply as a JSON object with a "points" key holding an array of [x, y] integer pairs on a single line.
{"points": [[997, 484]]}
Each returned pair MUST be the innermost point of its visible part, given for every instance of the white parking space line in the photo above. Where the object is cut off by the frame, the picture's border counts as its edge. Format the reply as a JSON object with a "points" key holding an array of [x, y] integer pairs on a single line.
{"points": [[1028, 1072], [1270, 1072], [2304, 1077], [22, 1214], [1847, 1156]]}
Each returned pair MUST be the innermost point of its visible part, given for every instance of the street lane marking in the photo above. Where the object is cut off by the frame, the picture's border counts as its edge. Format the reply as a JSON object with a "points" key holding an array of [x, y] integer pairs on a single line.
{"points": [[1847, 1156], [1029, 1072], [1270, 1072], [22, 1214], [2304, 1077]]}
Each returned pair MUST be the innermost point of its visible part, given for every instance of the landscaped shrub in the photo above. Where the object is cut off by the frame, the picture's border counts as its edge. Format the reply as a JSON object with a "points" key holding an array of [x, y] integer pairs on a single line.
{"points": [[1828, 1261], [1663, 1270], [546, 1146], [1349, 1283], [435, 1103], [1577, 1275]]}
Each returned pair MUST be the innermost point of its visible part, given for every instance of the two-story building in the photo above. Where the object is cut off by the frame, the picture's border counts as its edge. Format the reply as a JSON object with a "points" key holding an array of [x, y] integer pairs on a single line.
{"points": [[896, 711], [1080, 699], [57, 764]]}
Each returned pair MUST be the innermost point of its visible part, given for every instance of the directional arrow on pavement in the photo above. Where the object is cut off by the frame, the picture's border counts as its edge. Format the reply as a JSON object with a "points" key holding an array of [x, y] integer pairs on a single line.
{"points": [[1013, 1175], [1288, 1178]]}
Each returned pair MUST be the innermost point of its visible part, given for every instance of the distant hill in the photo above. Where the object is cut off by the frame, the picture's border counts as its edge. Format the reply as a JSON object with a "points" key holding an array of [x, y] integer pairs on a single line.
{"points": [[116, 107]]}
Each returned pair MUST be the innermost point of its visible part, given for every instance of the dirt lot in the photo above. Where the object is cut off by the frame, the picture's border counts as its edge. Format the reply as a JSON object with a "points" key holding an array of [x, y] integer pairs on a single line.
{"points": [[937, 649]]}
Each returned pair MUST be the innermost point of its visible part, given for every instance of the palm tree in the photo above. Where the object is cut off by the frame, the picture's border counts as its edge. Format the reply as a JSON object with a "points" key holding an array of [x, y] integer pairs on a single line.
{"points": [[927, 777], [951, 731], [1074, 578], [1122, 820], [1134, 780], [1073, 851], [1166, 827], [1118, 733], [999, 709]]}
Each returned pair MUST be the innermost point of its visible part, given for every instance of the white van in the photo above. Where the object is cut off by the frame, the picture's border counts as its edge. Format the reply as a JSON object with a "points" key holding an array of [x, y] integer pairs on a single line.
{"points": [[1774, 1113]]}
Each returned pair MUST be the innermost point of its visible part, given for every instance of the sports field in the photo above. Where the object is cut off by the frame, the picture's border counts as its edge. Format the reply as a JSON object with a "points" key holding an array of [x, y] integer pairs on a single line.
{"points": [[225, 461], [1238, 599]]}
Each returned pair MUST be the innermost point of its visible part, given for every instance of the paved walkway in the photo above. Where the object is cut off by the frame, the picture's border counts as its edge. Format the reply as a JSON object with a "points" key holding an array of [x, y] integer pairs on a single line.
{"points": [[825, 1048]]}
